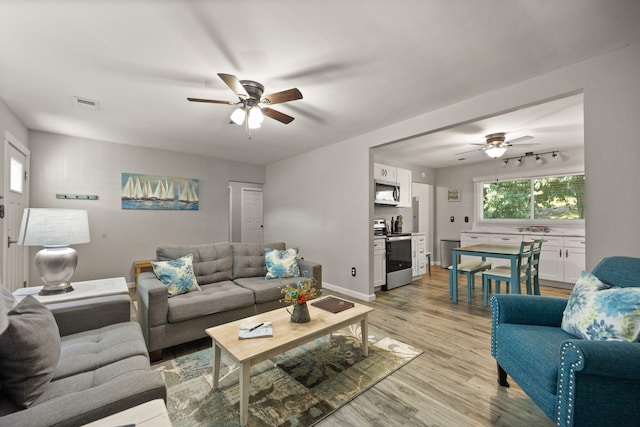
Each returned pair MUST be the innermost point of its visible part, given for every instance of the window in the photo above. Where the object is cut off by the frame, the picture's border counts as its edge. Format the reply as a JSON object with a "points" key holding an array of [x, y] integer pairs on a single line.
{"points": [[16, 175], [550, 198]]}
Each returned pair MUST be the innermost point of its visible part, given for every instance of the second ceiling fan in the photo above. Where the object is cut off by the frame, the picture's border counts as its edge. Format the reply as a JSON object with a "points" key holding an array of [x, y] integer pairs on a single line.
{"points": [[496, 144], [252, 105]]}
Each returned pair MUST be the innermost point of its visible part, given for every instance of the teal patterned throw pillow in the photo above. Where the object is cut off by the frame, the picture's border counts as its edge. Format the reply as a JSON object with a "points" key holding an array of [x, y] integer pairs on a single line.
{"points": [[281, 263], [597, 311], [177, 274]]}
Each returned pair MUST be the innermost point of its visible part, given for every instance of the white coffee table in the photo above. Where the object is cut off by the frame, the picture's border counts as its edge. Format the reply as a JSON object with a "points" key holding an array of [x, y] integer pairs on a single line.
{"points": [[149, 414], [286, 336], [82, 290]]}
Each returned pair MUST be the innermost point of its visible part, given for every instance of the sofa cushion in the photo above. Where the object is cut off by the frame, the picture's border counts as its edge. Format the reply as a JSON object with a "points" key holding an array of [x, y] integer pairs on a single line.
{"points": [[265, 290], [532, 352], [29, 351], [281, 264], [93, 349], [177, 275], [248, 258], [214, 298], [597, 311], [211, 262]]}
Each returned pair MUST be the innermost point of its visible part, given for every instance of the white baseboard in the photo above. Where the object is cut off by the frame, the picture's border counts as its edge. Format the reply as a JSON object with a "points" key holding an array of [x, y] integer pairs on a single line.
{"points": [[349, 292]]}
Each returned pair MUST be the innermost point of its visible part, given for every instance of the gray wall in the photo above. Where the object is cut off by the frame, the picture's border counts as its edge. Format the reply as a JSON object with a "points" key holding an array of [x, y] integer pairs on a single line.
{"points": [[63, 164], [326, 204]]}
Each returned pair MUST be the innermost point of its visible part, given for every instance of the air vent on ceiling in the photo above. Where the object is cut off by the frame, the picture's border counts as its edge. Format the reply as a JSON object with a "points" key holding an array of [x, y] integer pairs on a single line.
{"points": [[86, 103]]}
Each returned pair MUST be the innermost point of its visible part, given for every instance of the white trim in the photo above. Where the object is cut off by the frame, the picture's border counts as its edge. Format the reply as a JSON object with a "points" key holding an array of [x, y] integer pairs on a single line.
{"points": [[349, 292]]}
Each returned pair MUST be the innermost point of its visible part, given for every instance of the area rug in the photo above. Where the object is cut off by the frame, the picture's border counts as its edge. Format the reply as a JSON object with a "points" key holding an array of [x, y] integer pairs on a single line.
{"points": [[296, 388]]}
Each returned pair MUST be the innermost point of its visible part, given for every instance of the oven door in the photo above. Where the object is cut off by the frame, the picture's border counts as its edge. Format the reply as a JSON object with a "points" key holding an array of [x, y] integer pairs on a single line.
{"points": [[399, 258]]}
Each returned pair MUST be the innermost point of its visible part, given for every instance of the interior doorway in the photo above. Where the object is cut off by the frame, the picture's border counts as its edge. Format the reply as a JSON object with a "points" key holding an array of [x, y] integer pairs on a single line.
{"points": [[245, 212], [14, 198]]}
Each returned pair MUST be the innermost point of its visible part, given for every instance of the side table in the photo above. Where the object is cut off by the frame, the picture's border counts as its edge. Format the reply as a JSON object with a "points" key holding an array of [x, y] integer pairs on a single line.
{"points": [[82, 290], [140, 265]]}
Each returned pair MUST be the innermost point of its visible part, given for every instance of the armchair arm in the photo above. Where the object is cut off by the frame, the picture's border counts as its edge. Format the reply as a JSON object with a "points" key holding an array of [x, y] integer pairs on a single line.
{"points": [[527, 309], [91, 313], [313, 269], [598, 383]]}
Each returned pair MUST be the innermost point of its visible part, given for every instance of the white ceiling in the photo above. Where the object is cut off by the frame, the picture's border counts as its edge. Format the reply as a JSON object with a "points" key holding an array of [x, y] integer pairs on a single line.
{"points": [[360, 64], [556, 125]]}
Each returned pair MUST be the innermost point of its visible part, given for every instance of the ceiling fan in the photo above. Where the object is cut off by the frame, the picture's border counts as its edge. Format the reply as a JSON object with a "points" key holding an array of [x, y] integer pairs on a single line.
{"points": [[252, 105], [496, 144]]}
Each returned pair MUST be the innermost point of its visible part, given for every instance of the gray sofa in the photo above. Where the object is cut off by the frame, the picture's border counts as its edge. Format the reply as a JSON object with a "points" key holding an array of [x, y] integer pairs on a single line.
{"points": [[233, 286], [102, 364]]}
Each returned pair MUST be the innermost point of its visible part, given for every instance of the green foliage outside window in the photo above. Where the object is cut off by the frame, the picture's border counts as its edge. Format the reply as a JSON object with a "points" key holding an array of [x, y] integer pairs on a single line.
{"points": [[548, 198]]}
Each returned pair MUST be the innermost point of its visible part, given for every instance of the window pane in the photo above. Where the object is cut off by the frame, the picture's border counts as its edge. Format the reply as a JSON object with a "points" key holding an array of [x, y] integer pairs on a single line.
{"points": [[560, 197], [15, 176], [507, 200]]}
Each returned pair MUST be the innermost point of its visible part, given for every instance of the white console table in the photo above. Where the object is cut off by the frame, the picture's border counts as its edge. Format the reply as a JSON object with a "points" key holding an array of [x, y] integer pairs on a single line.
{"points": [[82, 290]]}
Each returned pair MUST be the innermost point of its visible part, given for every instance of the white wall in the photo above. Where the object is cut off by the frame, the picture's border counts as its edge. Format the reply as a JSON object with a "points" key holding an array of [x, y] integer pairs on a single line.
{"points": [[63, 164], [338, 178]]}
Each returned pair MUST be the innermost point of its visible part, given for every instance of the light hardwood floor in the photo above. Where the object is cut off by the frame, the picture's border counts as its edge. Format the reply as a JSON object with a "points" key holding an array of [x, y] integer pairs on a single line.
{"points": [[454, 382]]}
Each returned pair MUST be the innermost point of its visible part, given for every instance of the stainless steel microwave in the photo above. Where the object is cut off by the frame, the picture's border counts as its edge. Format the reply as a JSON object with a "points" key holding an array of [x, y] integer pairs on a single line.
{"points": [[387, 193]]}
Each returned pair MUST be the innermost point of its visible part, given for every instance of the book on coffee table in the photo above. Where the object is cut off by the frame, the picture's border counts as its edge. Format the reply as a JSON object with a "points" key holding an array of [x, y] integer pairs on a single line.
{"points": [[333, 304], [255, 330]]}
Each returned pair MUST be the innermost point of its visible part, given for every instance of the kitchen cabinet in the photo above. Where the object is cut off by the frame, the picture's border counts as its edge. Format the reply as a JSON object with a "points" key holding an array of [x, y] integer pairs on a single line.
{"points": [[403, 177], [419, 251], [562, 259], [384, 172], [379, 262], [468, 239]]}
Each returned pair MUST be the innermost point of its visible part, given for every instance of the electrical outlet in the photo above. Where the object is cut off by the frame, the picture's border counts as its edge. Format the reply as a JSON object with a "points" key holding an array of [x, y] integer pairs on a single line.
{"points": [[353, 271]]}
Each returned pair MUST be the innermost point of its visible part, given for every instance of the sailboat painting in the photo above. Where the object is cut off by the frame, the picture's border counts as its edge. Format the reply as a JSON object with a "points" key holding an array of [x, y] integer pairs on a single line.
{"points": [[159, 192]]}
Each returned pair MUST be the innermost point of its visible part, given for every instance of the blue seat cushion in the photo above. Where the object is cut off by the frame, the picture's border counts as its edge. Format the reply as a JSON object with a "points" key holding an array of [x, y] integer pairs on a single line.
{"points": [[531, 352]]}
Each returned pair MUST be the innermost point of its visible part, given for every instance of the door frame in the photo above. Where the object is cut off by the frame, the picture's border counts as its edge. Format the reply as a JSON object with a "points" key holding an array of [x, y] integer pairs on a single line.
{"points": [[10, 139]]}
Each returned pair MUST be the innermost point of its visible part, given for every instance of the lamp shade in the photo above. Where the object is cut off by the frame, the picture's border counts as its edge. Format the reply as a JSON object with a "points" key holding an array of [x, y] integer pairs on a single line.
{"points": [[495, 152], [54, 227]]}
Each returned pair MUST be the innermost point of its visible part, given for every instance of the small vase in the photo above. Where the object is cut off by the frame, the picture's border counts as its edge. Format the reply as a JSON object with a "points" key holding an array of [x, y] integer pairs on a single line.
{"points": [[300, 313]]}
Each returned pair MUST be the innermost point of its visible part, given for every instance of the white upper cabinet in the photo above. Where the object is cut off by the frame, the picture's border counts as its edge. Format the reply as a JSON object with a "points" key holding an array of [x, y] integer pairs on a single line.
{"points": [[384, 173], [404, 179]]}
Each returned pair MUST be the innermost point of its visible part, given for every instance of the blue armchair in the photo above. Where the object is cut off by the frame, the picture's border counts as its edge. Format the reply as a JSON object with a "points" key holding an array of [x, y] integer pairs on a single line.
{"points": [[576, 382]]}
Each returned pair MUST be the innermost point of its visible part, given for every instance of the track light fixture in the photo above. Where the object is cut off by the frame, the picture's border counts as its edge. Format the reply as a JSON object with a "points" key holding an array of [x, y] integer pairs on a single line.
{"points": [[519, 160]]}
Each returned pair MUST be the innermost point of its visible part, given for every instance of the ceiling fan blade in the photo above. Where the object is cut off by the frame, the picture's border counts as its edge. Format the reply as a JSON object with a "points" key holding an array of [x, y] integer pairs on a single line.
{"points": [[518, 140], [212, 101], [277, 115], [284, 96], [470, 151], [235, 85]]}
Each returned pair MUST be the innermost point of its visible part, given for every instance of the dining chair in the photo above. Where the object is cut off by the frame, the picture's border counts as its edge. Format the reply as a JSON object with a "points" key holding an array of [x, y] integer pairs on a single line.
{"points": [[503, 273], [469, 269], [535, 261]]}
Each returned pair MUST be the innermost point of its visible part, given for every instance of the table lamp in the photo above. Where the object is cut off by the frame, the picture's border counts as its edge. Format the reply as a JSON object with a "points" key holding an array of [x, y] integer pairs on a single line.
{"points": [[55, 230]]}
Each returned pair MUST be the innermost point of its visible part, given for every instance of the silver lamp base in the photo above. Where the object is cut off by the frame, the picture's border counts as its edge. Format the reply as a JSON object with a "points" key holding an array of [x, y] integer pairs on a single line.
{"points": [[56, 265]]}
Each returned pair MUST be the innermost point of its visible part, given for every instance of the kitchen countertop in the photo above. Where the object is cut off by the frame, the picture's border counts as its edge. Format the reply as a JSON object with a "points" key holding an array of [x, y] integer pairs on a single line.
{"points": [[560, 233]]}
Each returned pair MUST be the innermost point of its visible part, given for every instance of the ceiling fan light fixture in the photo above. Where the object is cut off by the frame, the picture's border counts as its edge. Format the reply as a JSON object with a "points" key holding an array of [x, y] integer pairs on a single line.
{"points": [[238, 116], [255, 118], [495, 152]]}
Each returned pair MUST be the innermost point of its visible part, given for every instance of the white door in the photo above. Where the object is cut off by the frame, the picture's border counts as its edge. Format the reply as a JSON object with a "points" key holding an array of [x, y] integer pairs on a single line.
{"points": [[251, 216], [15, 197]]}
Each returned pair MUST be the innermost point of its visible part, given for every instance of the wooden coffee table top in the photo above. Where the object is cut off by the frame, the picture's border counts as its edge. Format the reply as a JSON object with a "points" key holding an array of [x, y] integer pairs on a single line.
{"points": [[286, 334]]}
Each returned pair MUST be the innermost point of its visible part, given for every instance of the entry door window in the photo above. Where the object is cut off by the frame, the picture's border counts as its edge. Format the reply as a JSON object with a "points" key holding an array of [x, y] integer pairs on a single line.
{"points": [[16, 180]]}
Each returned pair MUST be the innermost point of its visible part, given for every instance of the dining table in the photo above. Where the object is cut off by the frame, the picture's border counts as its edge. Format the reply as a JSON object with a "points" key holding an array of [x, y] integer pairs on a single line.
{"points": [[485, 250]]}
